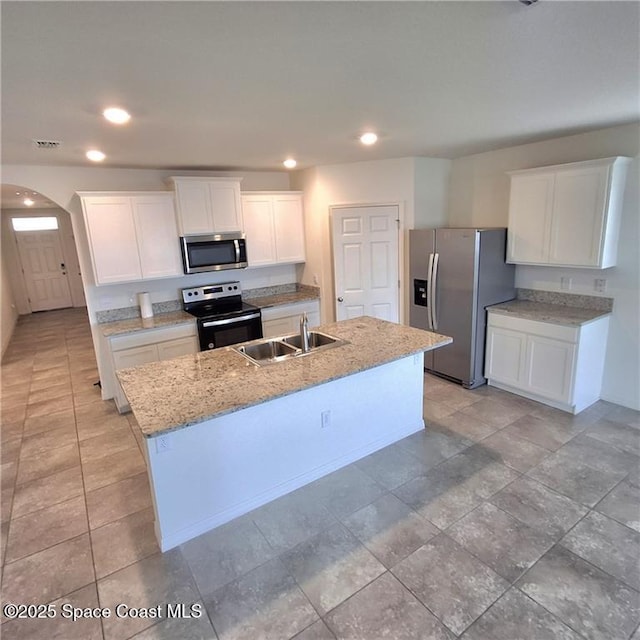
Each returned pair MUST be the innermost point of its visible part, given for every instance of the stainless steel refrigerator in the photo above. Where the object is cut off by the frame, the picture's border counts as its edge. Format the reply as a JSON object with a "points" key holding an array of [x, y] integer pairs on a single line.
{"points": [[455, 274]]}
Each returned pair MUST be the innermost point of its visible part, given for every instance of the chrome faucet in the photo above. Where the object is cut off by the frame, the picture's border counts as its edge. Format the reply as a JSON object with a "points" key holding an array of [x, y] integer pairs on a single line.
{"points": [[304, 333]]}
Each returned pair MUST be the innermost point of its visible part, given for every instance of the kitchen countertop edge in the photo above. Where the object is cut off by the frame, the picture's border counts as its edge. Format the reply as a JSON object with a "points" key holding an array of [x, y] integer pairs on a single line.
{"points": [[546, 312], [204, 373]]}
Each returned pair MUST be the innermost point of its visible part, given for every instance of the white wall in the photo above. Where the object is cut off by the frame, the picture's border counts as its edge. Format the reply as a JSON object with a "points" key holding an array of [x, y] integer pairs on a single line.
{"points": [[8, 311], [418, 185], [479, 196]]}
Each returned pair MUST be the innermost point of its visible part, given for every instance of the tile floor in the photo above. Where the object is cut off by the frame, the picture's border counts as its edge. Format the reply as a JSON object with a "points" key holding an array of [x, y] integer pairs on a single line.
{"points": [[503, 520]]}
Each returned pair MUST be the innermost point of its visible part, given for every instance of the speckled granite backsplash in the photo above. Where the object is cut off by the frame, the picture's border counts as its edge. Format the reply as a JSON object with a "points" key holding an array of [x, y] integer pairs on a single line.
{"points": [[128, 313], [566, 299]]}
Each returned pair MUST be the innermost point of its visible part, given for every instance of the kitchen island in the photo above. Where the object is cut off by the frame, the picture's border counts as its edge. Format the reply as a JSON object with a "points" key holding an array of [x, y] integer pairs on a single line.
{"points": [[224, 436]]}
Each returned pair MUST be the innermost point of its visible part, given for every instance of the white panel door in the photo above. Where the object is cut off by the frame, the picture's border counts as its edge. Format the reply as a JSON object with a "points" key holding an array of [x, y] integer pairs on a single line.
{"points": [[530, 203], [257, 213], [225, 207], [194, 207], [112, 238], [550, 368], [45, 272], [577, 225], [505, 356], [288, 225], [365, 249], [157, 236]]}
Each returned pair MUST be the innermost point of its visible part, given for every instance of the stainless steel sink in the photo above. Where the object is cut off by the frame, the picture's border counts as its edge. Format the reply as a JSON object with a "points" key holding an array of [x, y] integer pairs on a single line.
{"points": [[271, 350], [316, 339], [268, 350]]}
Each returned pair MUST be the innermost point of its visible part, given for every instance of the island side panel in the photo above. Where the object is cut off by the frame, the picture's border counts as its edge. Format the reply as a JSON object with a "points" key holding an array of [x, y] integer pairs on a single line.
{"points": [[207, 474]]}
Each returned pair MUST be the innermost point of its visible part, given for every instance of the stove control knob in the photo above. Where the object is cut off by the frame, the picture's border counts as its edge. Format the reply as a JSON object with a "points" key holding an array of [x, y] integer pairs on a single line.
{"points": [[211, 345]]}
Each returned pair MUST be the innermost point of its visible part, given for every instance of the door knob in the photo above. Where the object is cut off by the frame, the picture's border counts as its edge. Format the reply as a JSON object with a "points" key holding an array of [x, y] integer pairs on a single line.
{"points": [[340, 299]]}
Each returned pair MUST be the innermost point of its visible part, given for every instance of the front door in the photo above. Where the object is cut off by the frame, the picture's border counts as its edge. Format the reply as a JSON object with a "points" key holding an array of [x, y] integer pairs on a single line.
{"points": [[44, 269], [365, 250]]}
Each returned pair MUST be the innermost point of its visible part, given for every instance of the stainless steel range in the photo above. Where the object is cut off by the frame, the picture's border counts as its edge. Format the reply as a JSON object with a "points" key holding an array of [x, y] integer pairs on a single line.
{"points": [[223, 318]]}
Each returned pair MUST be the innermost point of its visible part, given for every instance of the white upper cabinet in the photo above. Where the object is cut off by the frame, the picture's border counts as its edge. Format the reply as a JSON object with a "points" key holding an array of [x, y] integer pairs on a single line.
{"points": [[157, 236], [257, 213], [274, 227], [207, 205], [132, 236], [567, 215]]}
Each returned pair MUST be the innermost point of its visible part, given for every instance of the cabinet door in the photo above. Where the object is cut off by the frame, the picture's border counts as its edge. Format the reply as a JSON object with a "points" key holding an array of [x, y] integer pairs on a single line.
{"points": [[112, 239], [550, 366], [505, 356], [288, 228], [131, 358], [135, 357], [194, 207], [157, 235], [279, 326], [577, 222], [257, 212], [179, 347], [530, 204], [225, 206]]}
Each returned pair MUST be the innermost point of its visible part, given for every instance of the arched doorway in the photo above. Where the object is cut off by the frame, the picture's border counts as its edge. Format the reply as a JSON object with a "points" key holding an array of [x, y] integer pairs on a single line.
{"points": [[39, 253]]}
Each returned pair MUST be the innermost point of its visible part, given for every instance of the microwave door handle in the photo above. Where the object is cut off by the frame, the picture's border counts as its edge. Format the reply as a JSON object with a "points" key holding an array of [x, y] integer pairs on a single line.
{"points": [[236, 244], [220, 323]]}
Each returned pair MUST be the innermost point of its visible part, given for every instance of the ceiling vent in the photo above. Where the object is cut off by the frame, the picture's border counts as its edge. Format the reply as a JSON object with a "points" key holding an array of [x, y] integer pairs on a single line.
{"points": [[47, 144]]}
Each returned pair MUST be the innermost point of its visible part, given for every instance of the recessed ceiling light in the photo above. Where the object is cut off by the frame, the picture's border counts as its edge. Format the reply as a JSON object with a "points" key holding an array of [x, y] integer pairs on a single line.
{"points": [[368, 138], [290, 163], [29, 202], [95, 156], [116, 115]]}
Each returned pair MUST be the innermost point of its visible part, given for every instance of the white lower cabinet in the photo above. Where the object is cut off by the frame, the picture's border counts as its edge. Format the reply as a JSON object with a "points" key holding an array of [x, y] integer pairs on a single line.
{"points": [[285, 319], [143, 347], [558, 365]]}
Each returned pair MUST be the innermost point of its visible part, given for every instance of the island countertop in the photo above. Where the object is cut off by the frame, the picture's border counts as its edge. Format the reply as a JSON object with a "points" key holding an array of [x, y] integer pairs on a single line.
{"points": [[170, 395]]}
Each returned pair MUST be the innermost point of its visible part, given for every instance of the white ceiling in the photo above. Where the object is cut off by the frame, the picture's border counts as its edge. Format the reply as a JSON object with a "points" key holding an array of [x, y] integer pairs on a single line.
{"points": [[242, 85]]}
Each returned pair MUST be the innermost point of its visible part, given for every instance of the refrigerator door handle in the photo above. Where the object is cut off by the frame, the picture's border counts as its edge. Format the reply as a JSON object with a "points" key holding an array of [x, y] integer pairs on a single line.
{"points": [[429, 290], [434, 287]]}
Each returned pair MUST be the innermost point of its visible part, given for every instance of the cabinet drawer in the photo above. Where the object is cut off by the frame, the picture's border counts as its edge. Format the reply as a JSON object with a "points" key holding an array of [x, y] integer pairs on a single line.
{"points": [[545, 329], [153, 336], [135, 357], [176, 348]]}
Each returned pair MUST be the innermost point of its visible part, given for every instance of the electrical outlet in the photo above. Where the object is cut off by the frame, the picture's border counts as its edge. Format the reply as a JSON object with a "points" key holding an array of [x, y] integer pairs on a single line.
{"points": [[163, 443], [600, 285], [325, 419], [565, 283]]}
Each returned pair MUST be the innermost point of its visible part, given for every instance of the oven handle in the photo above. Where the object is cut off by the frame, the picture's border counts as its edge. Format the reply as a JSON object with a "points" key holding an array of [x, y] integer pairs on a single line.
{"points": [[219, 323]]}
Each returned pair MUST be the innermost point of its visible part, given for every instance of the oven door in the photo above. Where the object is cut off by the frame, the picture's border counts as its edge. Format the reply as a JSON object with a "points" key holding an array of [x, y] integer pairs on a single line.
{"points": [[222, 332]]}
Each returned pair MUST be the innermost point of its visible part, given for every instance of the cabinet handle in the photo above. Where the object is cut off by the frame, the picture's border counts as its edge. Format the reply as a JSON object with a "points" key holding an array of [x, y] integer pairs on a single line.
{"points": [[340, 299]]}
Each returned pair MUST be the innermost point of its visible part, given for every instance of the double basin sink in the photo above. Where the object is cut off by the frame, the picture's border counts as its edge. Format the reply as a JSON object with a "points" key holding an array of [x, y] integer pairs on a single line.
{"points": [[271, 350]]}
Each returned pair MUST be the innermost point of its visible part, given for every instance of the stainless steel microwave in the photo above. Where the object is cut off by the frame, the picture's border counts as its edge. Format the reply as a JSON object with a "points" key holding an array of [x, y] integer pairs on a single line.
{"points": [[213, 252]]}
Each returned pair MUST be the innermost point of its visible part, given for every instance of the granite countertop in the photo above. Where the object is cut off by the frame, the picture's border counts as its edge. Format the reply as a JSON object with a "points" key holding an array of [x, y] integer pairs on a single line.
{"points": [[132, 325], [283, 298], [548, 312], [165, 396]]}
